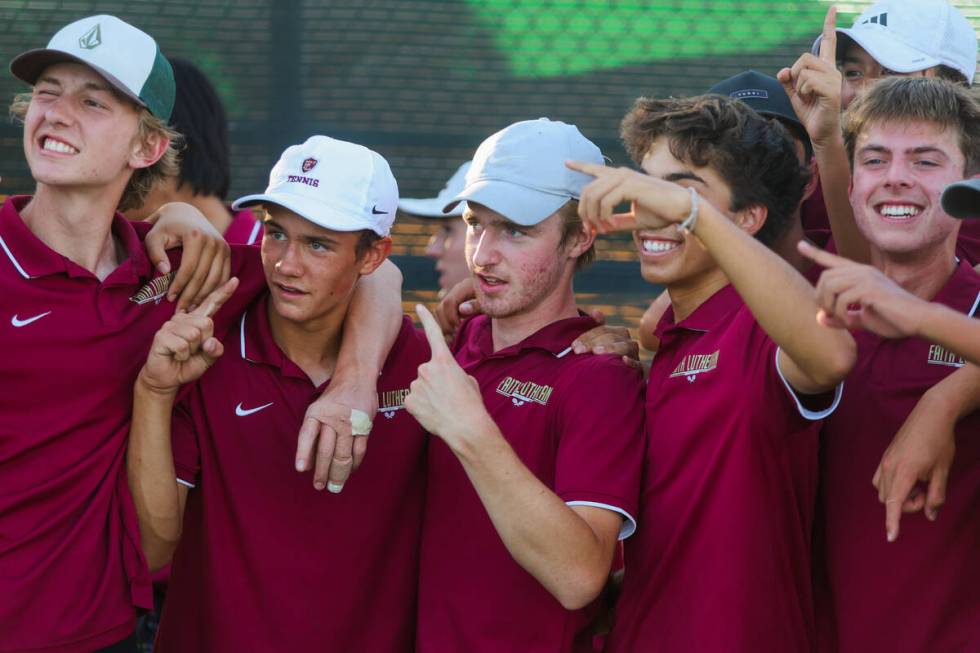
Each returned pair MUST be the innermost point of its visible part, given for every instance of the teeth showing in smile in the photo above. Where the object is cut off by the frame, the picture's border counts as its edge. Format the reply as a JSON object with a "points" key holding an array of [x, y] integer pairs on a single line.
{"points": [[659, 246], [899, 211], [58, 146]]}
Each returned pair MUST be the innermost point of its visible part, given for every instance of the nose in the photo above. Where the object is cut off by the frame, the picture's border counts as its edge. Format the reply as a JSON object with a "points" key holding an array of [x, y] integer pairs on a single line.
{"points": [[58, 111], [898, 172], [289, 263], [482, 249], [433, 249]]}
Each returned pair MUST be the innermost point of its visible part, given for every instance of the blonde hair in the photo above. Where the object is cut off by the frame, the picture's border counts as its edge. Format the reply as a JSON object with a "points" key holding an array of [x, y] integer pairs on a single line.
{"points": [[142, 180], [571, 225]]}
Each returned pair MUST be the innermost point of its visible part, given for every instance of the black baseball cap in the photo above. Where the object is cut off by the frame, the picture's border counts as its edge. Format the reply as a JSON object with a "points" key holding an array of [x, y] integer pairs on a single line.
{"points": [[766, 95], [962, 199]]}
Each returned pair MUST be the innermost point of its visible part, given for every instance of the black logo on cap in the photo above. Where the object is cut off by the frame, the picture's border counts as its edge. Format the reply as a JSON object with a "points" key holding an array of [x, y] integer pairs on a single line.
{"points": [[92, 38], [375, 211], [880, 19]]}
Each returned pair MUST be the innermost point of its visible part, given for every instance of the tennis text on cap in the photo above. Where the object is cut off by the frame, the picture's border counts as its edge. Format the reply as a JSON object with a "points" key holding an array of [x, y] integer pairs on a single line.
{"points": [[521, 392], [92, 38], [694, 364], [391, 400], [942, 356]]}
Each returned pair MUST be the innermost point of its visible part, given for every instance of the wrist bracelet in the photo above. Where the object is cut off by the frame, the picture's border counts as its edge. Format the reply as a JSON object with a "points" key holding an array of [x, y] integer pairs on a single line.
{"points": [[687, 225]]}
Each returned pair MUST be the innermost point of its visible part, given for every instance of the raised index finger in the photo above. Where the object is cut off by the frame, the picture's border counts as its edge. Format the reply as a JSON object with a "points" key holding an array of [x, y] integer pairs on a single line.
{"points": [[593, 169], [828, 43], [821, 257], [218, 296], [432, 331]]}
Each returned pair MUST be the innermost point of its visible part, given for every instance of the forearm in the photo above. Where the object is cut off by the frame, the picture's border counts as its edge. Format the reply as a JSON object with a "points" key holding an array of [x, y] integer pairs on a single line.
{"points": [[835, 179], [958, 394], [546, 537], [152, 479], [376, 309], [782, 301], [955, 331]]}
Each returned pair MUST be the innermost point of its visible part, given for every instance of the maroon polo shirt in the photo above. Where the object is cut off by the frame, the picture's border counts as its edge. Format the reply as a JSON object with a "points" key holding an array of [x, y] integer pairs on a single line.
{"points": [[71, 567], [721, 559], [245, 228], [919, 593], [266, 562], [577, 423]]}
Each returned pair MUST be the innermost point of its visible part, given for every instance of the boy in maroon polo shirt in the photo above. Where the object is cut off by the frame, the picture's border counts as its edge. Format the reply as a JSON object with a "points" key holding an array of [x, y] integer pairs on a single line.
{"points": [[84, 301], [907, 138], [264, 562], [736, 392], [535, 473]]}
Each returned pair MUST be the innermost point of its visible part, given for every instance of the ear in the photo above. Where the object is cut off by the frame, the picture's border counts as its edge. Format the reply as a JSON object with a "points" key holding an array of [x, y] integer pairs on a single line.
{"points": [[375, 255], [811, 185], [580, 244], [751, 219], [149, 151]]}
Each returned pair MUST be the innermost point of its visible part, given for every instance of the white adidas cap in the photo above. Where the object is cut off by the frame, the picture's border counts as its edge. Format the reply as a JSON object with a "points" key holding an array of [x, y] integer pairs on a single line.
{"points": [[431, 207], [128, 58], [907, 36], [520, 171], [335, 184]]}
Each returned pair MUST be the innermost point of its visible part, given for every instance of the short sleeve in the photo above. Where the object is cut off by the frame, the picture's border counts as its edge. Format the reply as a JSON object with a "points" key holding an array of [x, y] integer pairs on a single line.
{"points": [[602, 440], [184, 442]]}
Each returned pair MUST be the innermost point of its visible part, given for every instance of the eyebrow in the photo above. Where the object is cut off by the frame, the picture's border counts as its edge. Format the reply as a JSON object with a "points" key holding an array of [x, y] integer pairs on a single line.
{"points": [[685, 175], [309, 237], [922, 149], [89, 86]]}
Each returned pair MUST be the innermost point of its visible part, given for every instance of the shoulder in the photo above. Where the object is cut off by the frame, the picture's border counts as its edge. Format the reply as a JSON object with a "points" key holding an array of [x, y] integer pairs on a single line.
{"points": [[598, 378]]}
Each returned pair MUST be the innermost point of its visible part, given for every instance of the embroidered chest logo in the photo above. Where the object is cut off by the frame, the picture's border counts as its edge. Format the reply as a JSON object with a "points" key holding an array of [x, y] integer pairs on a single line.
{"points": [[942, 356], [694, 364], [155, 290], [391, 401], [521, 392]]}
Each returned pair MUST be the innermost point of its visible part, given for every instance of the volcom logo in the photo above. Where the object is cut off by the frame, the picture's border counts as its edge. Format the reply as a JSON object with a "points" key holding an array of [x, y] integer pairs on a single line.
{"points": [[391, 401], [880, 19], [694, 364], [521, 392], [92, 38]]}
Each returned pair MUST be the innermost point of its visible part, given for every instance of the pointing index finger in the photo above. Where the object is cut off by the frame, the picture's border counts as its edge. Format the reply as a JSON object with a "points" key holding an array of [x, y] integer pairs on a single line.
{"points": [[218, 296], [828, 44], [821, 257], [432, 331], [593, 169]]}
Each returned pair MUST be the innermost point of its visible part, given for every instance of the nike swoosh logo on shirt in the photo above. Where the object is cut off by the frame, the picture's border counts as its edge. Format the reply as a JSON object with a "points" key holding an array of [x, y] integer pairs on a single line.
{"points": [[244, 412], [19, 323]]}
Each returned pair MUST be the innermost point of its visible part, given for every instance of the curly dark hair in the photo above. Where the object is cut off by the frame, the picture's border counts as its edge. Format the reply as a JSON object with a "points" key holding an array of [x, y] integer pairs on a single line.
{"points": [[755, 156]]}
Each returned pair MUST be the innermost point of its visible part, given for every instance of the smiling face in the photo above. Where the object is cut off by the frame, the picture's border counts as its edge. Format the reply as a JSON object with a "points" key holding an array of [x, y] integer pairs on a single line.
{"points": [[666, 257], [310, 270], [517, 269], [447, 247], [78, 132], [900, 171]]}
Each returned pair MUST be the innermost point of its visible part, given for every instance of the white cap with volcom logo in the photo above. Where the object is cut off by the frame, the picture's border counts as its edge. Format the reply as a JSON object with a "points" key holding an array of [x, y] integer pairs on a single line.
{"points": [[335, 184], [128, 58]]}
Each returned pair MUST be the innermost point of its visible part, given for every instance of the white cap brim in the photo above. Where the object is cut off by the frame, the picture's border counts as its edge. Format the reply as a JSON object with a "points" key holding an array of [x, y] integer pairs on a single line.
{"points": [[886, 50], [962, 199], [428, 208], [519, 204], [309, 209]]}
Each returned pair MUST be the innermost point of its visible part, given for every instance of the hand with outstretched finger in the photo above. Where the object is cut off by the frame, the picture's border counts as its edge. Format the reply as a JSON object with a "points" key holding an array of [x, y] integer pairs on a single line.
{"points": [[444, 399], [185, 346], [655, 203], [813, 85], [857, 296], [921, 452]]}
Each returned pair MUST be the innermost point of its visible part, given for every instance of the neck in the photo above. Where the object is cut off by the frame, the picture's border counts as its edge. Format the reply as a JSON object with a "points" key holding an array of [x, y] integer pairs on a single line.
{"points": [[786, 247], [687, 296], [922, 273], [312, 345], [78, 225], [558, 305]]}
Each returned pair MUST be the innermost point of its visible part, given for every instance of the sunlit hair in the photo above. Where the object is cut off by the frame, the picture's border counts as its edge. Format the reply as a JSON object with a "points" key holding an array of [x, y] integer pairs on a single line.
{"points": [[905, 100], [143, 179], [756, 157], [571, 225]]}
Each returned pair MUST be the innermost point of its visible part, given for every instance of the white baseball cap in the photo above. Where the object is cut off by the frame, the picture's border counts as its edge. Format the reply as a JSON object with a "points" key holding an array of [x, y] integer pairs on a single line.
{"points": [[907, 36], [335, 184], [431, 207], [128, 58], [962, 199], [520, 171]]}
